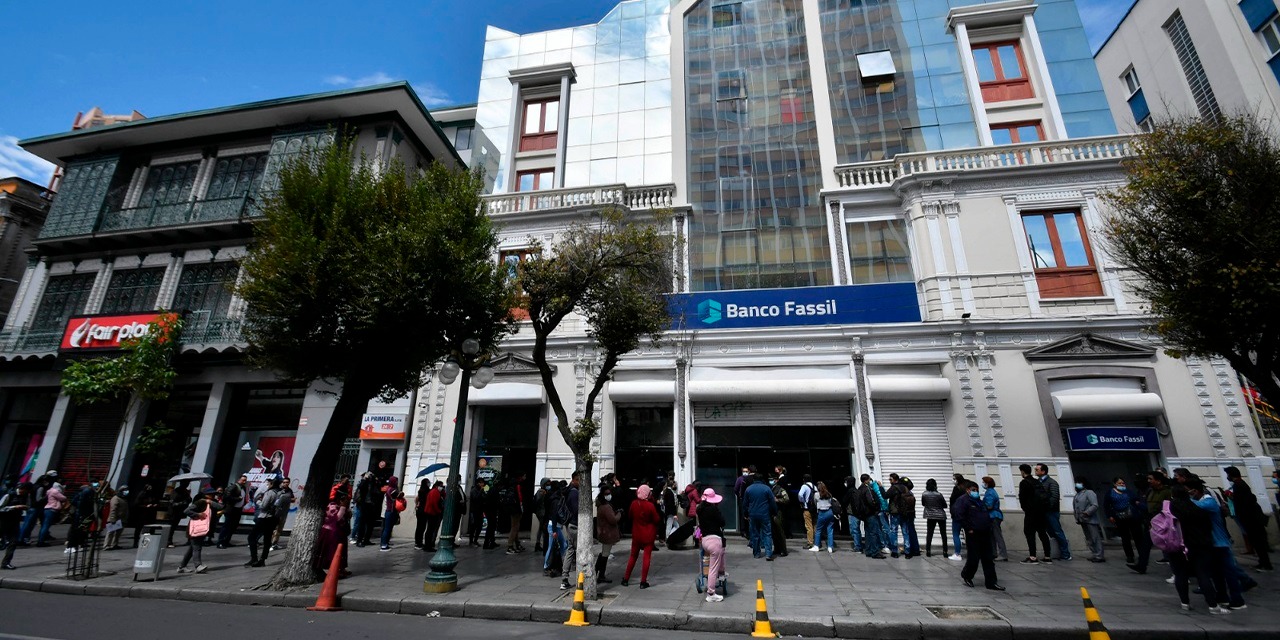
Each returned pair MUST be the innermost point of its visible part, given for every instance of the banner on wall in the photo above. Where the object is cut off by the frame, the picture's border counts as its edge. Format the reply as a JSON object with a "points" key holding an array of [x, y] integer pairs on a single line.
{"points": [[383, 426], [1113, 439], [269, 458], [750, 308], [488, 468]]}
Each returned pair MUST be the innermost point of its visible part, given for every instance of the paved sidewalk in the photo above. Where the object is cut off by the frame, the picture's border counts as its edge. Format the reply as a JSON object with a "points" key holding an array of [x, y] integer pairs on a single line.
{"points": [[811, 594]]}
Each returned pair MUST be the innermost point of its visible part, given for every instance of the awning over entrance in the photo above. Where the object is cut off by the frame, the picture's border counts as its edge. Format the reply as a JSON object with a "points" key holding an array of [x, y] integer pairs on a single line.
{"points": [[508, 393], [908, 387], [642, 391], [1106, 406]]}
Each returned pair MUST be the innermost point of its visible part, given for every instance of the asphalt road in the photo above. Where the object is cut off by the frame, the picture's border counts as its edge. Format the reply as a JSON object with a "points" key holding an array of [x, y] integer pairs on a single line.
{"points": [[28, 615]]}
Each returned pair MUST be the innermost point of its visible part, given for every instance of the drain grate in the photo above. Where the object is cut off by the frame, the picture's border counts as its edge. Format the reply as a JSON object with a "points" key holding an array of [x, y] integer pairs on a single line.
{"points": [[949, 612]]}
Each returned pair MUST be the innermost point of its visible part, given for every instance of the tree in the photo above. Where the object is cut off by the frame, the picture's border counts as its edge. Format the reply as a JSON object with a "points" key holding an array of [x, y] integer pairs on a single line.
{"points": [[365, 278], [1197, 222], [615, 272], [141, 373]]}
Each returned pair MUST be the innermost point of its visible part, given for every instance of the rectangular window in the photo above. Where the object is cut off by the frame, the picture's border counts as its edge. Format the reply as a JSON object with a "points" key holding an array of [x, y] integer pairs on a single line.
{"points": [[462, 138], [64, 296], [206, 291], [535, 180], [1015, 132], [540, 125], [878, 252], [236, 176], [1060, 254], [169, 184], [731, 96], [1002, 73], [1270, 33], [1201, 91], [133, 290], [726, 15], [1130, 79]]}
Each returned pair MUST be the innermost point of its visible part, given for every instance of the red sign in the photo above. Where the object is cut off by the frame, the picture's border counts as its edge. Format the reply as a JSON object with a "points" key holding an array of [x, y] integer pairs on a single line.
{"points": [[108, 332]]}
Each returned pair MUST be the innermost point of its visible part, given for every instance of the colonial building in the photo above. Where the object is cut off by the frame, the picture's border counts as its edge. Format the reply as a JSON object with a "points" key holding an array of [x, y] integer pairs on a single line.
{"points": [[891, 216], [155, 214]]}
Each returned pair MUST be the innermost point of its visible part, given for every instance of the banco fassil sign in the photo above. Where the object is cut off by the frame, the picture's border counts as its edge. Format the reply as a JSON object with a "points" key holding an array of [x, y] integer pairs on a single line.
{"points": [[107, 332], [857, 304]]}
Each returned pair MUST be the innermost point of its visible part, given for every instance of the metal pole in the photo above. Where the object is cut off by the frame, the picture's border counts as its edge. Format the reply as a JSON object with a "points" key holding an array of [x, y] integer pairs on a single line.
{"points": [[442, 578]]}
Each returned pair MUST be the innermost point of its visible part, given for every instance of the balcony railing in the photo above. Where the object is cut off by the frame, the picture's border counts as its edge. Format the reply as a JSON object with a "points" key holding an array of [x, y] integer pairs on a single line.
{"points": [[177, 214], [215, 331], [634, 198], [873, 175], [28, 341]]}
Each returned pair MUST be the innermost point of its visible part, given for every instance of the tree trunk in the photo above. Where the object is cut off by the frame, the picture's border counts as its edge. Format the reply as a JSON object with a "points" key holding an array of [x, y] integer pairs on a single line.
{"points": [[586, 526], [299, 568]]}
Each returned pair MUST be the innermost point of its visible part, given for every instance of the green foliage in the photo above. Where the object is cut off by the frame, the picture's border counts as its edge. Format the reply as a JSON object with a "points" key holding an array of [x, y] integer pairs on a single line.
{"points": [[143, 370], [155, 439], [1197, 222], [369, 277]]}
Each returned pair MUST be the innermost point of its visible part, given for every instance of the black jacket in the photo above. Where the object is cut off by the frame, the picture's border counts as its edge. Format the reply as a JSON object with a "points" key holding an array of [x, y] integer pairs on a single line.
{"points": [[1196, 524], [971, 514], [1028, 498]]}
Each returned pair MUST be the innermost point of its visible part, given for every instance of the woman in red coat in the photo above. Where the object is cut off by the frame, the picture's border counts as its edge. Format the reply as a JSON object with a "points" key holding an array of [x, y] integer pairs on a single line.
{"points": [[644, 531]]}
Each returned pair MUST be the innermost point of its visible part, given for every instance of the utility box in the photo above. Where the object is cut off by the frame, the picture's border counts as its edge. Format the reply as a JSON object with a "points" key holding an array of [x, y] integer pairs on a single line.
{"points": [[151, 548]]}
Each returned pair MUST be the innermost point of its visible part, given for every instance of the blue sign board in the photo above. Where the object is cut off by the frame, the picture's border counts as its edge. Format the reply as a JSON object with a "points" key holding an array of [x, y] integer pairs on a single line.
{"points": [[1113, 439], [749, 308]]}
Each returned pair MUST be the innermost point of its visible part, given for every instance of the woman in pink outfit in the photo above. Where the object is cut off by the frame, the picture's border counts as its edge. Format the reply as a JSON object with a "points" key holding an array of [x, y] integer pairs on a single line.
{"points": [[334, 532], [644, 531], [711, 524]]}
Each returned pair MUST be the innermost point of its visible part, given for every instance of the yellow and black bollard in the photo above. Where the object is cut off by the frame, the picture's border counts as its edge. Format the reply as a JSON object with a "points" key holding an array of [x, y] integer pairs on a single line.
{"points": [[578, 616], [1096, 630], [762, 627]]}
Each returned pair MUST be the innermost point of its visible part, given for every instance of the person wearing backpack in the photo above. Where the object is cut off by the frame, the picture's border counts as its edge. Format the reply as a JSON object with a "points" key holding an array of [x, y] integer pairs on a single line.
{"points": [[808, 503], [570, 520], [1222, 564], [851, 512], [541, 500], [1085, 508], [783, 498], [867, 504], [827, 508], [1033, 497], [1249, 515], [264, 523], [907, 517], [1191, 549], [895, 523]]}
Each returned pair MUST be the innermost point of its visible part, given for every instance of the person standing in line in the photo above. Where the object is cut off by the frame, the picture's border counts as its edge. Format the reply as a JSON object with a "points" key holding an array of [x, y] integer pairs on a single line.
{"points": [[1221, 561], [432, 514], [670, 505], [569, 529], [333, 532], [1253, 522], [935, 515], [14, 506], [367, 499], [541, 501], [200, 514], [35, 515], [867, 505], [826, 506], [711, 524], [740, 485], [991, 498], [850, 501], [809, 511], [644, 532], [1197, 539], [143, 511], [783, 498], [760, 506], [780, 475], [895, 523], [1085, 508], [391, 511], [55, 502], [264, 523], [283, 503], [1053, 516], [514, 505], [907, 516], [179, 500], [975, 521], [606, 530], [420, 512], [477, 499], [233, 498], [554, 558], [1117, 502], [1033, 497], [117, 515], [957, 491]]}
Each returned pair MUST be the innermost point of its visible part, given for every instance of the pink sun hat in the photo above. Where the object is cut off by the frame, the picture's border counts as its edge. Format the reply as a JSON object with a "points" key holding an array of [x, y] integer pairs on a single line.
{"points": [[710, 495]]}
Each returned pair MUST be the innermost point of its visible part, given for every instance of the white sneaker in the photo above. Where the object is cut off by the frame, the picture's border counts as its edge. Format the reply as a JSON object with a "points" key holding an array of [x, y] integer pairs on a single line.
{"points": [[830, 550], [201, 568], [955, 556], [715, 597], [813, 548], [1169, 580], [1219, 611], [1186, 607], [885, 550]]}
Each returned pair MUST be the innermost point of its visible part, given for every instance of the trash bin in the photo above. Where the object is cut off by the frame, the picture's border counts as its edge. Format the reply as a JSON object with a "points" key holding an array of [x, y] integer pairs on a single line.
{"points": [[151, 549]]}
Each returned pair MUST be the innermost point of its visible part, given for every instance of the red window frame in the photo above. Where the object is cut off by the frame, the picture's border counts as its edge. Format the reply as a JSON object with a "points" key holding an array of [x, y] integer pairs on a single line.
{"points": [[538, 179], [1062, 281], [1012, 128], [1002, 87], [545, 136]]}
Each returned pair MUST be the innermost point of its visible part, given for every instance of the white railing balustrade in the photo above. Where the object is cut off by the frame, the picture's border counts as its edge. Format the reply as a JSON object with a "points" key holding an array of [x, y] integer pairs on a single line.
{"points": [[882, 174], [634, 198]]}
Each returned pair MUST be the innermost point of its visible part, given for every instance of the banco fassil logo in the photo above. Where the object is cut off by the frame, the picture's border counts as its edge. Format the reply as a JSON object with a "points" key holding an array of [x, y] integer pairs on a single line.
{"points": [[1091, 439], [709, 311]]}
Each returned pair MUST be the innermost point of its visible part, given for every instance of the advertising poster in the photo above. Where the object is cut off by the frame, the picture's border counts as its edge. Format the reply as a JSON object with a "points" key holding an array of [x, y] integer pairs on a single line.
{"points": [[383, 426], [488, 468], [268, 457]]}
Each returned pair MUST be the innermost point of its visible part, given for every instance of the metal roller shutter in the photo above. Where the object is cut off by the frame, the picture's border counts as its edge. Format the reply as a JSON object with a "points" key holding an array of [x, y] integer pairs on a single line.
{"points": [[772, 414], [912, 437], [88, 454]]}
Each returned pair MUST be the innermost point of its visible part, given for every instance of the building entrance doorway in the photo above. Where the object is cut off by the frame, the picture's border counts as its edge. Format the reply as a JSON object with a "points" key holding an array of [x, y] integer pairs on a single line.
{"points": [[508, 442]]}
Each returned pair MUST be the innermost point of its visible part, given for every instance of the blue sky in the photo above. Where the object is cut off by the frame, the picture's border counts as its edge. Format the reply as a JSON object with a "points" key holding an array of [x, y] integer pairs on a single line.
{"points": [[178, 56]]}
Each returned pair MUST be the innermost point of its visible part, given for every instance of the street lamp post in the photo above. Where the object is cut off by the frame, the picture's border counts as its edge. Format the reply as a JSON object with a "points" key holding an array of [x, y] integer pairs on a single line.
{"points": [[442, 578]]}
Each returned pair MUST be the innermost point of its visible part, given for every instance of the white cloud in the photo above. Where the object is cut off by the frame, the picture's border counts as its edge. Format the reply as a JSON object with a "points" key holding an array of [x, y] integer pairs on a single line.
{"points": [[14, 161], [377, 77], [1100, 18], [431, 95]]}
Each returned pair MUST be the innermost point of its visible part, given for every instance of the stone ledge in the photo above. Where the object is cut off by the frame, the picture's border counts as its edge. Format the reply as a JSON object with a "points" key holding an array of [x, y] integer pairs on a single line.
{"points": [[623, 616], [807, 626], [496, 610]]}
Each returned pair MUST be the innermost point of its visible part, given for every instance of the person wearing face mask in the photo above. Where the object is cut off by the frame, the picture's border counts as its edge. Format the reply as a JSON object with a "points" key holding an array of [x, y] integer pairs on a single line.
{"points": [[1120, 510], [606, 530], [783, 498], [644, 531], [739, 485], [974, 520], [1085, 506]]}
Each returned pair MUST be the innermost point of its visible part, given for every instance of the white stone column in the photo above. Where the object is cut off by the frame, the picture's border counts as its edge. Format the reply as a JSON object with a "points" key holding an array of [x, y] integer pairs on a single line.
{"points": [[979, 106], [212, 429], [169, 284], [32, 278], [99, 291]]}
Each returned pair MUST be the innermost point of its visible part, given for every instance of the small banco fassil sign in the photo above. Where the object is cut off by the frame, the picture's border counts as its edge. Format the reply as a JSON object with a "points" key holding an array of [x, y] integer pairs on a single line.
{"points": [[1113, 439], [746, 308]]}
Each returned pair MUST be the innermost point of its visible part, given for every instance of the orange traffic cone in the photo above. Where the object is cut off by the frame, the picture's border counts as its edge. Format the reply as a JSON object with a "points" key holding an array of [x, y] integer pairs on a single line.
{"points": [[762, 627], [578, 616], [328, 600]]}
